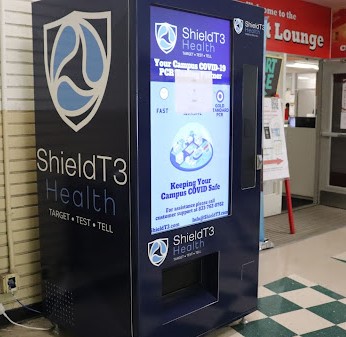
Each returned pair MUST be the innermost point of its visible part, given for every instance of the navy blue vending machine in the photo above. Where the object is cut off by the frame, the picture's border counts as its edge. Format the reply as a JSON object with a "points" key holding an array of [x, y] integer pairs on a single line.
{"points": [[148, 133]]}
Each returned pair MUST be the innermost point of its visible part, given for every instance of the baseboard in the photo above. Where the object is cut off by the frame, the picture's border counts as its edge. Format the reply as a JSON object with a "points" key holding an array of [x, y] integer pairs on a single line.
{"points": [[333, 199], [21, 314]]}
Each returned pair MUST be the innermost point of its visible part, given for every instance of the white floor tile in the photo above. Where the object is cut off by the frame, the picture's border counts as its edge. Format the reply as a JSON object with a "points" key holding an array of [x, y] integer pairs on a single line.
{"points": [[342, 326], [255, 316], [16, 331], [302, 280], [225, 332], [307, 297], [302, 321], [310, 259]]}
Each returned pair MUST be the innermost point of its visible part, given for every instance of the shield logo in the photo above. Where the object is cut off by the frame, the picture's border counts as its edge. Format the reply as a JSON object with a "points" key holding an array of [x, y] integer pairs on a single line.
{"points": [[157, 251], [74, 43], [238, 25], [166, 36]]}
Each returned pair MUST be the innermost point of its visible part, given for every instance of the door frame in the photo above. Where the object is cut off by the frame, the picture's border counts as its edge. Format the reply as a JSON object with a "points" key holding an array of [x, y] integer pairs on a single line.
{"points": [[327, 194]]}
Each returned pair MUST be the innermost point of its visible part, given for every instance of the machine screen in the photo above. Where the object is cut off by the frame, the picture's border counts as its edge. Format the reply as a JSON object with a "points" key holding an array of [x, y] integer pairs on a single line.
{"points": [[190, 118]]}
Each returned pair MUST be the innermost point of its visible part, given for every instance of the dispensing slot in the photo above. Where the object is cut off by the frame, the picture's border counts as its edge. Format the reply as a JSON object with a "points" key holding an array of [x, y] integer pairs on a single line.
{"points": [[190, 286]]}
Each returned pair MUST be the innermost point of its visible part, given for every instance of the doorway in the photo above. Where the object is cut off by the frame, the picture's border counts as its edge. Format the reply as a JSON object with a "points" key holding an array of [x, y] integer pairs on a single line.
{"points": [[332, 156], [300, 100]]}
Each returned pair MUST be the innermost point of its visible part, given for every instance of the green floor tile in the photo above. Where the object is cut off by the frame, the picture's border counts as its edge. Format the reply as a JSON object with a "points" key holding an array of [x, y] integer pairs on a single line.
{"points": [[334, 312], [333, 331], [328, 292], [263, 328], [283, 285], [275, 304]]}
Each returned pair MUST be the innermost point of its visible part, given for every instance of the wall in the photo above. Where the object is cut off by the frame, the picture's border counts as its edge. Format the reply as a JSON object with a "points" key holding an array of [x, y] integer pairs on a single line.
{"points": [[306, 81], [17, 154]]}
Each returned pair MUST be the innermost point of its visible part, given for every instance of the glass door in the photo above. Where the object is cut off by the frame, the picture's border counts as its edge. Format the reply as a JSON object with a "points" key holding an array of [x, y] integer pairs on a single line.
{"points": [[332, 186]]}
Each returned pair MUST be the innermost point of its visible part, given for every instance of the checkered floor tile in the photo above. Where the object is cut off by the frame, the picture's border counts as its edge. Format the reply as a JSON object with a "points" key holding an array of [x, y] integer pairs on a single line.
{"points": [[295, 307]]}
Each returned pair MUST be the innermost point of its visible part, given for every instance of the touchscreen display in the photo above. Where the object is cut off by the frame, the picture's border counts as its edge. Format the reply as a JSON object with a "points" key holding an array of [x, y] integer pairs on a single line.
{"points": [[190, 118]]}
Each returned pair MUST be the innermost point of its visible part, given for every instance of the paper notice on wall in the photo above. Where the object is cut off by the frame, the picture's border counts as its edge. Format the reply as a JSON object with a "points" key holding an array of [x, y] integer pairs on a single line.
{"points": [[343, 120], [343, 107], [275, 162]]}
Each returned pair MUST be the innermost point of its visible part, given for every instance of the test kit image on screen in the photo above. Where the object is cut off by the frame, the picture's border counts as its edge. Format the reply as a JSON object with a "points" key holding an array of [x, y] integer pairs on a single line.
{"points": [[148, 128]]}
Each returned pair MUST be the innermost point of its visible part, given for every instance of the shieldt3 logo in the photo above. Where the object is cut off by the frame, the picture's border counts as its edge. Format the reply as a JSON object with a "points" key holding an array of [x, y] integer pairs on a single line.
{"points": [[77, 65], [166, 36], [238, 25], [157, 251]]}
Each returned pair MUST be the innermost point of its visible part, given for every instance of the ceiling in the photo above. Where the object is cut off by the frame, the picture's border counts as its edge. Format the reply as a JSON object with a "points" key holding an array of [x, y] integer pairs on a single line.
{"points": [[329, 3]]}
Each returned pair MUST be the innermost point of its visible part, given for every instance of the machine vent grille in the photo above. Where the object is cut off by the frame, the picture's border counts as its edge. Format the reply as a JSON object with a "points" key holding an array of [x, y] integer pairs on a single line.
{"points": [[59, 304]]}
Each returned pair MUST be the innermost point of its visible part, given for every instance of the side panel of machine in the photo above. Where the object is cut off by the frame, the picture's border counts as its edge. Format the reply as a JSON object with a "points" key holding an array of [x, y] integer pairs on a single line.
{"points": [[199, 117], [81, 104]]}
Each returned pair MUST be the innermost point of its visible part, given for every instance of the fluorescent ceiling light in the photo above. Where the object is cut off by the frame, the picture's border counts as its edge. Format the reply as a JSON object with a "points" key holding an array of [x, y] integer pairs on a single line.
{"points": [[302, 65], [303, 78]]}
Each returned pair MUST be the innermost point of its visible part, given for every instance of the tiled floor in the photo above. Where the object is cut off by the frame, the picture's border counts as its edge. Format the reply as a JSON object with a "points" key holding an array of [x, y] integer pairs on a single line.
{"points": [[292, 307], [303, 296]]}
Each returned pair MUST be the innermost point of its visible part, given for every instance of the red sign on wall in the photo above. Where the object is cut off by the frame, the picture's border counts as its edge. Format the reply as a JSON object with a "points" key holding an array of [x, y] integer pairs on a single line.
{"points": [[339, 33], [297, 27]]}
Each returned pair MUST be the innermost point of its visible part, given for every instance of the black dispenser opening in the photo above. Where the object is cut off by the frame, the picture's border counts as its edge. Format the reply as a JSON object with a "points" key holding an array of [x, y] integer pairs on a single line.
{"points": [[182, 277], [191, 285]]}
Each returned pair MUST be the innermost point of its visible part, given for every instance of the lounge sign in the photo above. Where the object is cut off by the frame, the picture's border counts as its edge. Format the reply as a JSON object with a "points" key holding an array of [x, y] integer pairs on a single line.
{"points": [[297, 27]]}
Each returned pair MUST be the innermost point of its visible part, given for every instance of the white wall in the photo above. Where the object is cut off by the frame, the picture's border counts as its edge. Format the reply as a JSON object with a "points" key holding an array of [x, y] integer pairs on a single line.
{"points": [[18, 191], [306, 81]]}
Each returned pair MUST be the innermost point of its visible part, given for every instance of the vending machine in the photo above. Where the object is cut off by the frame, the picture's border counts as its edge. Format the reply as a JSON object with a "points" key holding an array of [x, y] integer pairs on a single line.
{"points": [[148, 135]]}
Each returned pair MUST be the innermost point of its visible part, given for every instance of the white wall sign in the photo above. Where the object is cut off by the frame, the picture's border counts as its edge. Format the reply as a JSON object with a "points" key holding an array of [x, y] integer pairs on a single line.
{"points": [[343, 107], [275, 162]]}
